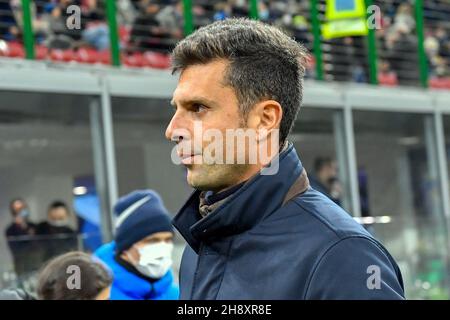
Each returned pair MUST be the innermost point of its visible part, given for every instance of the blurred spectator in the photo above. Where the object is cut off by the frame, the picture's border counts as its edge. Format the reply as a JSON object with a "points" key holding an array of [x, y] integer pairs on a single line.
{"points": [[222, 11], [57, 220], [149, 31], [61, 37], [8, 25], [19, 236], [140, 257], [291, 18], [126, 11], [171, 17], [93, 282], [325, 178], [21, 225], [404, 16], [401, 43], [96, 32], [239, 8], [56, 237], [385, 74], [347, 59]]}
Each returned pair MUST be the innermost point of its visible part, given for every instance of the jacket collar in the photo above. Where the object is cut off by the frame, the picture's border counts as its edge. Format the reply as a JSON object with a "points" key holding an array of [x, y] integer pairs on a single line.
{"points": [[254, 201]]}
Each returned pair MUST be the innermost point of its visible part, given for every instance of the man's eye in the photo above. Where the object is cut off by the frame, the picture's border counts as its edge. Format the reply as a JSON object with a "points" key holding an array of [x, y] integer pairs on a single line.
{"points": [[197, 107]]}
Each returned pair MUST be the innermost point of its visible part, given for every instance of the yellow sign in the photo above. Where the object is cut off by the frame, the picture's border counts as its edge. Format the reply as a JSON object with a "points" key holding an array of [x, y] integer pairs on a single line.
{"points": [[344, 9], [344, 18]]}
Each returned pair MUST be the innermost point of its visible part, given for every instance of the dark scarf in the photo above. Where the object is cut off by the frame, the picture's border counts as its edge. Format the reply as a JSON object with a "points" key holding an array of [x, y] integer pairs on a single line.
{"points": [[210, 201]]}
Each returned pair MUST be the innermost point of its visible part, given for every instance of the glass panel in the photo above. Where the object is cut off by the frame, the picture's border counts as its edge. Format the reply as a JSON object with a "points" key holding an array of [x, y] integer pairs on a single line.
{"points": [[45, 156], [399, 188], [317, 140], [144, 155]]}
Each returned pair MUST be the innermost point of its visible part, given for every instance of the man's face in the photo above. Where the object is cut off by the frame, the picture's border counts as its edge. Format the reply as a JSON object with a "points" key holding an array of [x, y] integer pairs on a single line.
{"points": [[329, 171], [333, 169], [202, 97], [17, 206], [58, 214], [132, 254]]}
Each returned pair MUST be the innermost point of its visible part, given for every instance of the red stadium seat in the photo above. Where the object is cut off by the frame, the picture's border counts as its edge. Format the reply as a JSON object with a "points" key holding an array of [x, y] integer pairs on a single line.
{"points": [[104, 57], [62, 55], [388, 79], [124, 34], [156, 60], [14, 50], [41, 52], [134, 60], [86, 55], [440, 83]]}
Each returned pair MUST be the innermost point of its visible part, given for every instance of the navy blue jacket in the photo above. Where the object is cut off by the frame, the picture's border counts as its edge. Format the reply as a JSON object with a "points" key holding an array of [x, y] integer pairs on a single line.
{"points": [[269, 240]]}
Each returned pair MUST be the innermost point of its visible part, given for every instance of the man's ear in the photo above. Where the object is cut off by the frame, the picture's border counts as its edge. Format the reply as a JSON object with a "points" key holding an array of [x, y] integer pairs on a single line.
{"points": [[265, 116], [127, 255]]}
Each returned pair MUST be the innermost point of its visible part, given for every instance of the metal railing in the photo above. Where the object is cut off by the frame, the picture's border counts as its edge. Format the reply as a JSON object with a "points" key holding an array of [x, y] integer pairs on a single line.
{"points": [[410, 44], [30, 253]]}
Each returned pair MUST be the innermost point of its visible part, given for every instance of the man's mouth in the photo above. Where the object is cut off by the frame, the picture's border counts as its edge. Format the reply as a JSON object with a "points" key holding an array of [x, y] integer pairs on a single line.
{"points": [[188, 159]]}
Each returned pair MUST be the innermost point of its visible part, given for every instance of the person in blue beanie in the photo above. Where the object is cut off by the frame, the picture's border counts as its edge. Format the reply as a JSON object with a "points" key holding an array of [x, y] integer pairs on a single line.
{"points": [[140, 257]]}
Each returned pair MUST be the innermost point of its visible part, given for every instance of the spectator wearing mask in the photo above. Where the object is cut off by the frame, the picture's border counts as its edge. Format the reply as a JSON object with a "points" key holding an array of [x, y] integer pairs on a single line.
{"points": [[55, 235], [140, 256], [21, 226], [19, 235], [94, 282], [325, 178], [57, 220]]}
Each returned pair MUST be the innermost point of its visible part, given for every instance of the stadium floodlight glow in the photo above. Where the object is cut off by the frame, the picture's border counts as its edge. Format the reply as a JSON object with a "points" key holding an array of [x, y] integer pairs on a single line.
{"points": [[383, 219], [3, 45], [372, 220], [79, 191]]}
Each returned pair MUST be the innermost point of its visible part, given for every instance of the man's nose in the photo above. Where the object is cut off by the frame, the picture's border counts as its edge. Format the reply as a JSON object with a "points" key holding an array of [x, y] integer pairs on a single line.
{"points": [[176, 127]]}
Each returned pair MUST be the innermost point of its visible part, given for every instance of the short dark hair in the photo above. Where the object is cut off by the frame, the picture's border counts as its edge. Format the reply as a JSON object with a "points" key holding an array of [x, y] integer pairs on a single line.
{"points": [[53, 278], [322, 162], [58, 204], [264, 63]]}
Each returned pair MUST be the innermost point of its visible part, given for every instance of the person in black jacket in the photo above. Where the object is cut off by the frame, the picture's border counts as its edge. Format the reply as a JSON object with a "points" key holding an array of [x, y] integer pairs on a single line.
{"points": [[325, 178], [55, 236], [20, 236]]}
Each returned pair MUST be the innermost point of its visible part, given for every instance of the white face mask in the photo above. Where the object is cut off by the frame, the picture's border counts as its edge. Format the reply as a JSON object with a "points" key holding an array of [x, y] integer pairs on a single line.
{"points": [[155, 259], [58, 223]]}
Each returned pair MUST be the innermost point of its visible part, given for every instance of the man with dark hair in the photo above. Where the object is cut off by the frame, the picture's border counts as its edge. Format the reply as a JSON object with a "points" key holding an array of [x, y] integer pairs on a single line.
{"points": [[254, 228], [57, 220], [55, 236], [325, 178]]}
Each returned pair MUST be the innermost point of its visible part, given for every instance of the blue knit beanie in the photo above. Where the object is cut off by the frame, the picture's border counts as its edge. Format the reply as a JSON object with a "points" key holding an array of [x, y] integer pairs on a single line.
{"points": [[139, 215]]}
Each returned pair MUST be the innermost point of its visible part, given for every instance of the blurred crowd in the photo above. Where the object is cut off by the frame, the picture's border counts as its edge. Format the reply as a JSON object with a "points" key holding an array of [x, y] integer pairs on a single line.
{"points": [[398, 39], [33, 243], [156, 25], [136, 265]]}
